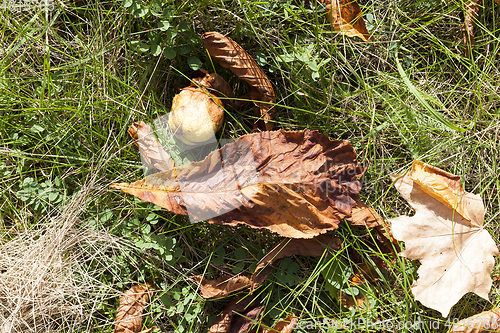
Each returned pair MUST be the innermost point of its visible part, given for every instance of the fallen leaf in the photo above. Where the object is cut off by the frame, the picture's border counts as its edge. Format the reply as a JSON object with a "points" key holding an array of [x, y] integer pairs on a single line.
{"points": [[231, 55], [298, 184], [289, 247], [456, 254], [239, 315], [132, 304], [346, 16], [364, 269], [284, 326], [487, 321], [471, 14], [223, 286], [152, 153], [351, 302]]}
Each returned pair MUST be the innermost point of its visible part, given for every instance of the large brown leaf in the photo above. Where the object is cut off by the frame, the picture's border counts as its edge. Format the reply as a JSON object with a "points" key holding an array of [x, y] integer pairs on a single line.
{"points": [[487, 321], [298, 184], [346, 16], [231, 55], [129, 316], [456, 253]]}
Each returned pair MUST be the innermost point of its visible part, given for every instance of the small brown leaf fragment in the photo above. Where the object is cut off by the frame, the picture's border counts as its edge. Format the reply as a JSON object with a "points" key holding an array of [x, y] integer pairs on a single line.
{"points": [[487, 321], [346, 16], [132, 304], [289, 247], [223, 286], [471, 14], [298, 184], [284, 326], [152, 153], [349, 302], [363, 214], [239, 315], [456, 254], [231, 55]]}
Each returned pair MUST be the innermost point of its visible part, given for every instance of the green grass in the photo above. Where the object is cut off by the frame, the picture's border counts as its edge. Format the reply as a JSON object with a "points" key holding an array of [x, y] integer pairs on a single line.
{"points": [[72, 81]]}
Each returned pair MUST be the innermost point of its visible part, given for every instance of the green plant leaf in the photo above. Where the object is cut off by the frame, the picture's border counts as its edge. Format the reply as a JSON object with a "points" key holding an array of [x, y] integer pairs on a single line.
{"points": [[127, 3], [163, 25], [240, 253], [141, 12], [169, 52], [194, 63]]}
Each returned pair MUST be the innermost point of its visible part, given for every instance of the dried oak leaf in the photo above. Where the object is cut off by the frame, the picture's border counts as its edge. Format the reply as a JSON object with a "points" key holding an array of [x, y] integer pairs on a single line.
{"points": [[231, 55], [346, 16], [298, 184], [487, 321], [456, 253], [223, 286], [132, 303], [152, 153]]}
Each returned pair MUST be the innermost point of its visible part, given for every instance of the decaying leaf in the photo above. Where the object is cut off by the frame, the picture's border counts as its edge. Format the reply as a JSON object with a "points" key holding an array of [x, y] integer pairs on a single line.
{"points": [[471, 14], [152, 153], [239, 315], [346, 16], [456, 254], [487, 321], [223, 286], [350, 302], [129, 316], [285, 326], [298, 184], [231, 55]]}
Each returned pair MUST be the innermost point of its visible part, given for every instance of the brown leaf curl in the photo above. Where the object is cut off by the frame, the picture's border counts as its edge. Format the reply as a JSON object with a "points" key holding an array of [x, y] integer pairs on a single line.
{"points": [[132, 304], [231, 55], [346, 16], [152, 153], [298, 184]]}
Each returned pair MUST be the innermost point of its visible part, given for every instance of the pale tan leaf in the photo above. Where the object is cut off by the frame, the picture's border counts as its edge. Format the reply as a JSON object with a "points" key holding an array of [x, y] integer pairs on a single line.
{"points": [[298, 184], [456, 254], [346, 17], [231, 55], [223, 286], [132, 304], [487, 321]]}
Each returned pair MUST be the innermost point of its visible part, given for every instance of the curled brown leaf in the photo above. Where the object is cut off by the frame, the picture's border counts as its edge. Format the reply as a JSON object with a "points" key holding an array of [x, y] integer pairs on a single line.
{"points": [[346, 16], [132, 304], [223, 286], [298, 184], [152, 153], [471, 14], [239, 315], [231, 55]]}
